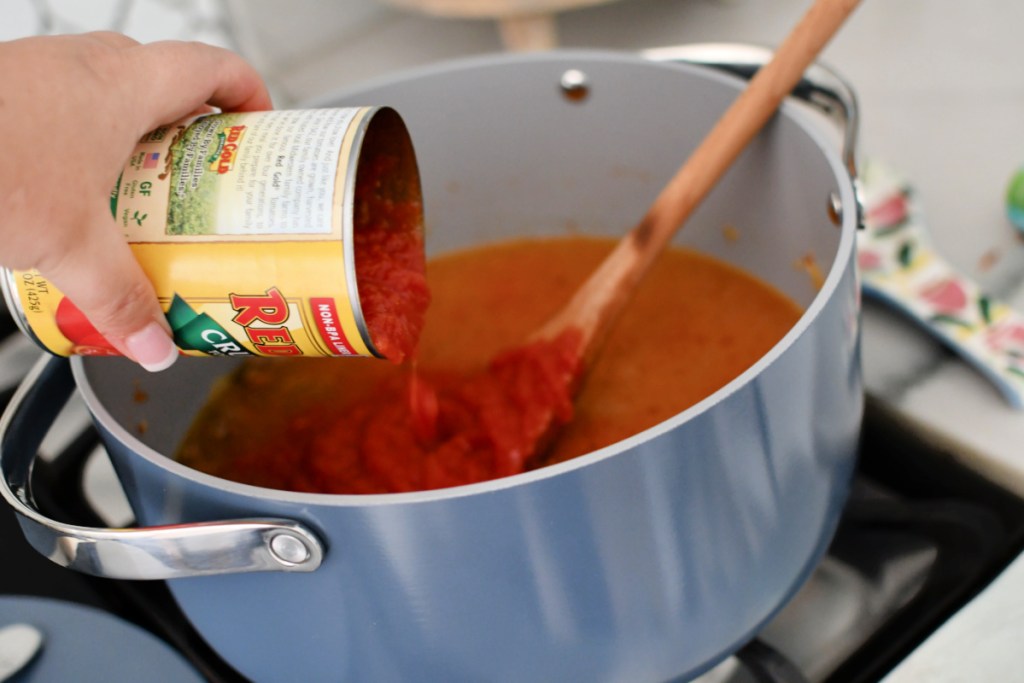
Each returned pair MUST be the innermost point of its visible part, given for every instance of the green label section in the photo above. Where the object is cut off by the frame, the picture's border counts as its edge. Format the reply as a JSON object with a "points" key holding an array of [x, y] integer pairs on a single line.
{"points": [[199, 332], [115, 194]]}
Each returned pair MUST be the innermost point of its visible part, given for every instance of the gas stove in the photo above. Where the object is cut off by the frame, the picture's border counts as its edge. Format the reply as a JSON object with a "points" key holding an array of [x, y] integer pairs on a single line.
{"points": [[920, 536]]}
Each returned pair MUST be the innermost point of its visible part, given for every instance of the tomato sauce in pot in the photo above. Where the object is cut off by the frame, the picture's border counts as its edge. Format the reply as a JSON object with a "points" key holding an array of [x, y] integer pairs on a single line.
{"points": [[469, 410]]}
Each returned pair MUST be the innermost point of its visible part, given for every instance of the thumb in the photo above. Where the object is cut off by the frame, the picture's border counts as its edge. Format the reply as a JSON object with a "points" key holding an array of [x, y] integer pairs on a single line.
{"points": [[97, 271]]}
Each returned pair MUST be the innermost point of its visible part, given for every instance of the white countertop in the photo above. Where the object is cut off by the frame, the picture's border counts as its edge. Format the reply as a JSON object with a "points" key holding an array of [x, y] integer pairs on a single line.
{"points": [[981, 643]]}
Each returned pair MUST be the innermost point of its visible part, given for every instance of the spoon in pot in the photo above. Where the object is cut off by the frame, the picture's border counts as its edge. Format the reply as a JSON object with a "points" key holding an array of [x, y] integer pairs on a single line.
{"points": [[499, 422], [502, 419], [597, 303], [567, 343]]}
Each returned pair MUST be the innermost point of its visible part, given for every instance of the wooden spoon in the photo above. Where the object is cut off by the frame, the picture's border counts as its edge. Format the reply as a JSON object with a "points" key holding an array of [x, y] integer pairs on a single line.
{"points": [[600, 299]]}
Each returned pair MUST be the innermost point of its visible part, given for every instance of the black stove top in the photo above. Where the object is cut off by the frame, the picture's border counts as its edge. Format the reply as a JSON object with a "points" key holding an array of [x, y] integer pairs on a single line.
{"points": [[919, 537]]}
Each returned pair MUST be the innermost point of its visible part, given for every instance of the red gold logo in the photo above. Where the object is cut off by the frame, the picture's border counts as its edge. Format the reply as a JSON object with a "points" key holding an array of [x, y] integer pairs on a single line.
{"points": [[223, 160], [263, 317]]}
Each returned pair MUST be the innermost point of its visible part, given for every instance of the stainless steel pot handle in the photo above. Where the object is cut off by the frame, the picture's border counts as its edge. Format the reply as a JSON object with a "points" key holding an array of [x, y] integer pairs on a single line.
{"points": [[163, 552], [821, 87]]}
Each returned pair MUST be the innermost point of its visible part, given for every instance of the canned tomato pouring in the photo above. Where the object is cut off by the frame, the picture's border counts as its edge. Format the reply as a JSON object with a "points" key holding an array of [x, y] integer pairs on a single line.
{"points": [[281, 233]]}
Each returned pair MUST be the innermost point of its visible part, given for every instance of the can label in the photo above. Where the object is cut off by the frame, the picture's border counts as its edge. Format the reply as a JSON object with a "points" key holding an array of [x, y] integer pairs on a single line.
{"points": [[242, 222]]}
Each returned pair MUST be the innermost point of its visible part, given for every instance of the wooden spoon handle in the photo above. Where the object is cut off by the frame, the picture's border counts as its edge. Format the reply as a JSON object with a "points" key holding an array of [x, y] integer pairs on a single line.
{"points": [[599, 300]]}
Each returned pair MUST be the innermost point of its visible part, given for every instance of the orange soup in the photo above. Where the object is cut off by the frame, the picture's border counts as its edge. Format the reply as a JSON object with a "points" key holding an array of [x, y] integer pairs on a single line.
{"points": [[342, 426]]}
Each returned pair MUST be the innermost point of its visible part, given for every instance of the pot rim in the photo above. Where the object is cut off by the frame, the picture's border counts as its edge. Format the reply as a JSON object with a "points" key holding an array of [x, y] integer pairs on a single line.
{"points": [[840, 263]]}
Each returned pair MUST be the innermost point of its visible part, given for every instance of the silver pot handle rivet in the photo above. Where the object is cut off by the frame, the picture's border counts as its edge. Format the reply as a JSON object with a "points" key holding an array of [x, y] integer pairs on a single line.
{"points": [[289, 550], [574, 85]]}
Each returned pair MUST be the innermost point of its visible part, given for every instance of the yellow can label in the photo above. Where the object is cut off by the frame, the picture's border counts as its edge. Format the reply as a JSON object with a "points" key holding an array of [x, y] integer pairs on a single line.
{"points": [[239, 220]]}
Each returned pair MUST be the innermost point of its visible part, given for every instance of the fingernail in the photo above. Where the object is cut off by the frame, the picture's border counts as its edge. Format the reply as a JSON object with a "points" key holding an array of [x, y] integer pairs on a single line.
{"points": [[152, 348]]}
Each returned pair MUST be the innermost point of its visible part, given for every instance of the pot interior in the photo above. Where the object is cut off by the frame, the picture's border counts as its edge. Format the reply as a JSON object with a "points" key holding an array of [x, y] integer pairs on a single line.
{"points": [[505, 153]]}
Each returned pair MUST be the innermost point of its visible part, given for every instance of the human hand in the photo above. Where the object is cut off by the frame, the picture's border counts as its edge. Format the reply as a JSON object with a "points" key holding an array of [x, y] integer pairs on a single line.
{"points": [[71, 111]]}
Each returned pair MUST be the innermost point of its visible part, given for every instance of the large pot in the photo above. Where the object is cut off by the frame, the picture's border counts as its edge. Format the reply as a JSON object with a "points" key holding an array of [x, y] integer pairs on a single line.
{"points": [[645, 561]]}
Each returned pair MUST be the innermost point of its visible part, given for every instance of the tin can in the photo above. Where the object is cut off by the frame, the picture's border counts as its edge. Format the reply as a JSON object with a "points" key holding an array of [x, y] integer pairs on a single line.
{"points": [[248, 226]]}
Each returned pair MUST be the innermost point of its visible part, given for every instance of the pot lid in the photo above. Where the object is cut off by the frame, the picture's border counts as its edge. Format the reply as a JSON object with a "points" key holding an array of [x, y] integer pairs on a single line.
{"points": [[85, 645]]}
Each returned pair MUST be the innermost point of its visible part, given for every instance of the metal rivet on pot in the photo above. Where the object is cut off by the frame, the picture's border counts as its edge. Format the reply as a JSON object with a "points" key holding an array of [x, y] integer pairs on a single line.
{"points": [[574, 85], [835, 209], [288, 549]]}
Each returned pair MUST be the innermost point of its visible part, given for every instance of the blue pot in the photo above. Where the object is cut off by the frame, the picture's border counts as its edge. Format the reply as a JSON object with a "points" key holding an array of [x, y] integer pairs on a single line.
{"points": [[648, 560]]}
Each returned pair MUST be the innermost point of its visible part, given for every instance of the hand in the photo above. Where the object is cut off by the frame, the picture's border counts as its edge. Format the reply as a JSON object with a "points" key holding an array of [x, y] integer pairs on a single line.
{"points": [[71, 110]]}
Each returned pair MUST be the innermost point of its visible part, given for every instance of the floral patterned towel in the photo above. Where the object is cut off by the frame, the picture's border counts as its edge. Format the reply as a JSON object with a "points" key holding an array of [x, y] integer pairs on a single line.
{"points": [[899, 265]]}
